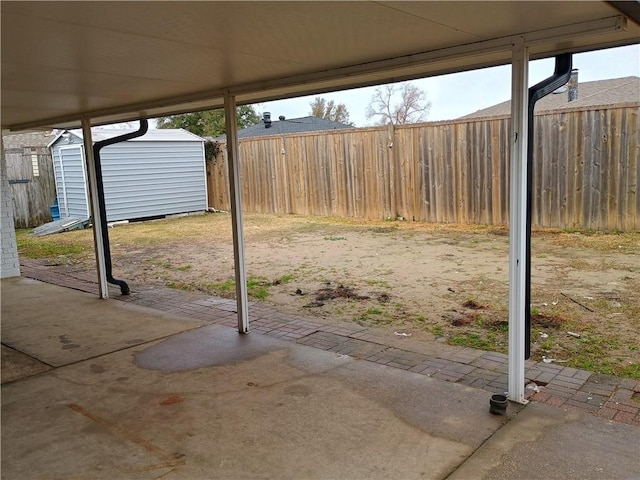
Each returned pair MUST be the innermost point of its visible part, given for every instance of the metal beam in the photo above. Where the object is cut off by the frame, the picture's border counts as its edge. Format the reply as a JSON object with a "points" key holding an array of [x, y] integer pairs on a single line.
{"points": [[95, 209], [235, 194], [518, 217], [630, 9]]}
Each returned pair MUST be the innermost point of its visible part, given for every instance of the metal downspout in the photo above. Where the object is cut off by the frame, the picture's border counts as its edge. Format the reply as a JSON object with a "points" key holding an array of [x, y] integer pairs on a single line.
{"points": [[144, 126], [561, 75]]}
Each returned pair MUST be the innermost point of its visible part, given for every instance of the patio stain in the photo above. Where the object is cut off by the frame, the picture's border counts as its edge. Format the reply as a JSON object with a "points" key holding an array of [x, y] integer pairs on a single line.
{"points": [[205, 347], [67, 344], [172, 400]]}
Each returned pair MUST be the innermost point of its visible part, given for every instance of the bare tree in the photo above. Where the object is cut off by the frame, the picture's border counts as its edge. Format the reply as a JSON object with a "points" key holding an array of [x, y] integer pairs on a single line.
{"points": [[398, 103], [329, 110]]}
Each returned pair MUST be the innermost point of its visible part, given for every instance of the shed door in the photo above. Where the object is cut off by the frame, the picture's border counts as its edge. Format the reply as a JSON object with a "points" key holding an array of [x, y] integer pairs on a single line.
{"points": [[72, 197]]}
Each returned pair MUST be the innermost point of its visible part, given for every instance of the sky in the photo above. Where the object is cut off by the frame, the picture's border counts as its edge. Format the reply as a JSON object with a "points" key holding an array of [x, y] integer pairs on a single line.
{"points": [[459, 94]]}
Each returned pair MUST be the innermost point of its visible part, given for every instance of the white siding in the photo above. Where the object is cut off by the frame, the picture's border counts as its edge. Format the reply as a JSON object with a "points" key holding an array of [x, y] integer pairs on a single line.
{"points": [[74, 188], [141, 178], [145, 179]]}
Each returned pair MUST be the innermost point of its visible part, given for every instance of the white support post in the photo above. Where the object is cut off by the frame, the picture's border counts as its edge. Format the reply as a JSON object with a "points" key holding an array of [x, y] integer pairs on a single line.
{"points": [[235, 194], [94, 209], [518, 218]]}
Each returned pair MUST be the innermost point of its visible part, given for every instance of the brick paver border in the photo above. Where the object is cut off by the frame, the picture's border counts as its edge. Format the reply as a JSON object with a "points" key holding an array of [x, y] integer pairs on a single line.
{"points": [[615, 399]]}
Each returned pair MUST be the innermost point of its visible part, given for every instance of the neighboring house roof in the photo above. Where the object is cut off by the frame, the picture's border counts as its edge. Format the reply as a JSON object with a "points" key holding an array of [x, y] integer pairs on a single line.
{"points": [[152, 135], [590, 94], [287, 126], [28, 139]]}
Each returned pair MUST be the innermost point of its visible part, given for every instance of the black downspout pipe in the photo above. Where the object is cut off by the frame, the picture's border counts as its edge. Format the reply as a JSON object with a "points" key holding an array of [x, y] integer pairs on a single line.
{"points": [[144, 126], [561, 75]]}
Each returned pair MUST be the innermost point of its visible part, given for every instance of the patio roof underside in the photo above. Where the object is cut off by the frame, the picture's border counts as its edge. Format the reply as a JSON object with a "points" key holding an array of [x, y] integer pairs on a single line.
{"points": [[118, 61]]}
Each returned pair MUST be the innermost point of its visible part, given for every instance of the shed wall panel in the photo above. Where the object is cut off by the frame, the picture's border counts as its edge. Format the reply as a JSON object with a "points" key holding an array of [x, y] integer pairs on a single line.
{"points": [[141, 178], [146, 179]]}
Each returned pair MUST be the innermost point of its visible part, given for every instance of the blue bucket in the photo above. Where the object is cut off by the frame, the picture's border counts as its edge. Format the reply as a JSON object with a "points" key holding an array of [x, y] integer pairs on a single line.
{"points": [[55, 211]]}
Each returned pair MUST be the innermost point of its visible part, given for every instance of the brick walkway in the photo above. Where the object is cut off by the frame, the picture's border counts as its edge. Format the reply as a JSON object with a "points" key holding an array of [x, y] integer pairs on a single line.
{"points": [[605, 396]]}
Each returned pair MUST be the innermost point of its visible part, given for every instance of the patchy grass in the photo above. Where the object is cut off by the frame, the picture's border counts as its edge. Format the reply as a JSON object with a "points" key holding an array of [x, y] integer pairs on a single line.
{"points": [[374, 316], [622, 242], [381, 283], [49, 246], [472, 340], [256, 287], [284, 279], [158, 262], [594, 354], [437, 330]]}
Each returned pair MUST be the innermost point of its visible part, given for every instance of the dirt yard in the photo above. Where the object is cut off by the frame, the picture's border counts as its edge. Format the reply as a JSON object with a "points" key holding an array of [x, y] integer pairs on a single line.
{"points": [[443, 283]]}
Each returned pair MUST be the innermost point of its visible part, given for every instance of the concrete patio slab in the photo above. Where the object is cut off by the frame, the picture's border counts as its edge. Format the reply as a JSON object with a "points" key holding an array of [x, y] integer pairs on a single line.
{"points": [[17, 365], [267, 417], [59, 326], [209, 403], [202, 402], [546, 442]]}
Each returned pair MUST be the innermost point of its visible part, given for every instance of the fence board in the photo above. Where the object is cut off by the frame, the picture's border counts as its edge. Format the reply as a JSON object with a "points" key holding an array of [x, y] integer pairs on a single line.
{"points": [[632, 142], [586, 171], [33, 192]]}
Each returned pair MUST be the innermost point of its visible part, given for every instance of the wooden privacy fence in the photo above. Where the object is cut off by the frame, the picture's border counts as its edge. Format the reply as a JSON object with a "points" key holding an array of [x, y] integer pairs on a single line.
{"points": [[586, 171], [30, 174]]}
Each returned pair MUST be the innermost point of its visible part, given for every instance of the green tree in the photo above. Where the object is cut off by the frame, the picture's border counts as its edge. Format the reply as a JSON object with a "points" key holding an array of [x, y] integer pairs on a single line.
{"points": [[398, 104], [330, 111], [209, 123]]}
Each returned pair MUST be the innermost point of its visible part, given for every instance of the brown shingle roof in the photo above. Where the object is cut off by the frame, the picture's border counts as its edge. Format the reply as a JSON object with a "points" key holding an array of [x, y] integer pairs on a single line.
{"points": [[27, 139], [590, 94]]}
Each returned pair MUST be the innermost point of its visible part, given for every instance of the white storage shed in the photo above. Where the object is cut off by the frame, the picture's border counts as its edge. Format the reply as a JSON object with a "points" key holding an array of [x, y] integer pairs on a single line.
{"points": [[161, 173]]}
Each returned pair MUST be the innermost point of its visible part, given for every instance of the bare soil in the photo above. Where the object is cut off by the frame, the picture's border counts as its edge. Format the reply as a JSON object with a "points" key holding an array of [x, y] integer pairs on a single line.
{"points": [[443, 283]]}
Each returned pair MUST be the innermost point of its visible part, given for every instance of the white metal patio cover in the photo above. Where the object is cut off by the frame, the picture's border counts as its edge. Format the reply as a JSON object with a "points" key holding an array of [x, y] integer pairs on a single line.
{"points": [[88, 63]]}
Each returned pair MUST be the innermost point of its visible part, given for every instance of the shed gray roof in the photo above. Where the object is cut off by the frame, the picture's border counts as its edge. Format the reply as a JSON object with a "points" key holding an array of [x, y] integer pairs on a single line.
{"points": [[287, 126], [152, 135], [590, 94]]}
